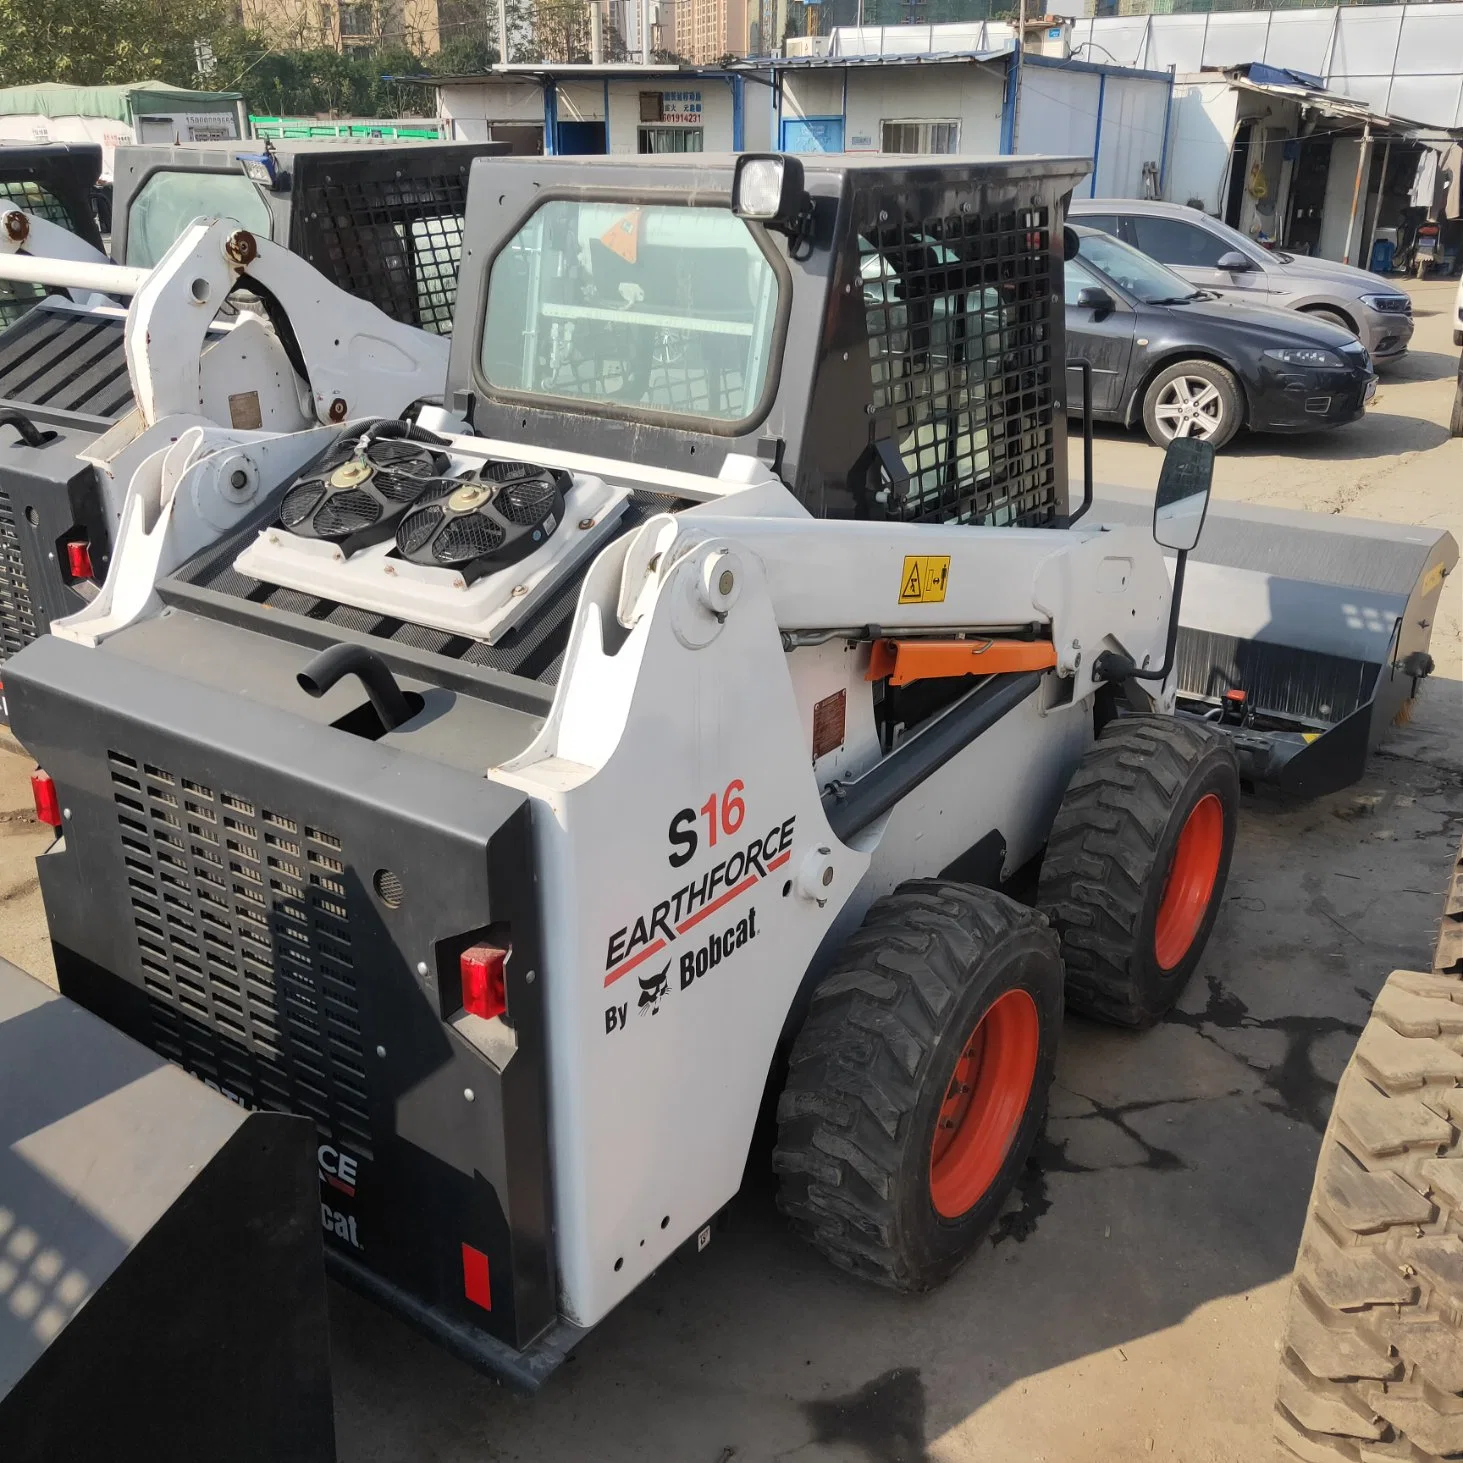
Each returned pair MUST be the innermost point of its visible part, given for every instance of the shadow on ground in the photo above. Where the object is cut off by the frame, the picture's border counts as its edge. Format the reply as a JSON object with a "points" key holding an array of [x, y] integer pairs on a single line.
{"points": [[1174, 1170], [1378, 434], [1418, 366]]}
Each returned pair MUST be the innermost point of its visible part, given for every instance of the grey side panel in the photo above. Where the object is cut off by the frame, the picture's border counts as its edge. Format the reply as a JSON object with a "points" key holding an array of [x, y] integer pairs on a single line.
{"points": [[161, 1256], [281, 906]]}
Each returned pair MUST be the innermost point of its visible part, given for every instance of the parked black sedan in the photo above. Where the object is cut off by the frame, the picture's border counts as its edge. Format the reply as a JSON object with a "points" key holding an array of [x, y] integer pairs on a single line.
{"points": [[1191, 366]]}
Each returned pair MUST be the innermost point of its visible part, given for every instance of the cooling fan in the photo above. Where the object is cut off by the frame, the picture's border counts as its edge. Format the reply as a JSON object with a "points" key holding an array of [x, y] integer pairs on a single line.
{"points": [[483, 523], [356, 494]]}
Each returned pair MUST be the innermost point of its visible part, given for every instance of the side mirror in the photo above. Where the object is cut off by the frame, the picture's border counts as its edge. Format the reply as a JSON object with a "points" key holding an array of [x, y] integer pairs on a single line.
{"points": [[1182, 498], [1236, 263], [1071, 242], [1093, 297]]}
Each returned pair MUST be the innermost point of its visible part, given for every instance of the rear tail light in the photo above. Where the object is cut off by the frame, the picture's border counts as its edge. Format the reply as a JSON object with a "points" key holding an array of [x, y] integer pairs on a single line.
{"points": [[78, 560], [483, 992], [48, 801]]}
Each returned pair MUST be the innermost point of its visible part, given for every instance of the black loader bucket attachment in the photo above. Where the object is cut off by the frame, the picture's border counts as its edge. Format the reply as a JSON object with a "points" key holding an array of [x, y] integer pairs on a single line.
{"points": [[162, 1287], [1303, 636]]}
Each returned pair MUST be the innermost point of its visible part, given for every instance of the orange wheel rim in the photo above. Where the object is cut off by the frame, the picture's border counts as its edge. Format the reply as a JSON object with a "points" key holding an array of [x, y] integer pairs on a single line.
{"points": [[985, 1100], [1191, 880]]}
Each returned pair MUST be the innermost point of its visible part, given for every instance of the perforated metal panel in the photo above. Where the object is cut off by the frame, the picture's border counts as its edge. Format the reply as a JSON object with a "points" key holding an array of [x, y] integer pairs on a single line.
{"points": [[17, 615], [241, 916], [395, 241], [959, 313]]}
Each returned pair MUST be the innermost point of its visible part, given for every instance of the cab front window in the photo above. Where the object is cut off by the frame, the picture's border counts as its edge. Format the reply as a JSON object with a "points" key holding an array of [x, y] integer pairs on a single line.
{"points": [[643, 310]]}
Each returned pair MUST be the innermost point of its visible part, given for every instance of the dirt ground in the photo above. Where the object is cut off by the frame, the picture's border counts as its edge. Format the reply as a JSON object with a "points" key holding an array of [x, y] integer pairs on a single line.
{"points": [[1127, 1305]]}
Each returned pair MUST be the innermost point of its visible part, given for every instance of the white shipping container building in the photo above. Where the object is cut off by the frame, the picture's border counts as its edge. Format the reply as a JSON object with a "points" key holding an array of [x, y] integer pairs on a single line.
{"points": [[966, 102]]}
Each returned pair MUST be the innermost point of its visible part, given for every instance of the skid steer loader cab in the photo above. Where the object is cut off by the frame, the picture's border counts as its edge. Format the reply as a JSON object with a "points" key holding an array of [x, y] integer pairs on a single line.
{"points": [[380, 219], [505, 788]]}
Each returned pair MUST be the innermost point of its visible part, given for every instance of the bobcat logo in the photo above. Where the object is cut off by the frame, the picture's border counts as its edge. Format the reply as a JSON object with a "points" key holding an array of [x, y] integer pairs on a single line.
{"points": [[653, 990]]}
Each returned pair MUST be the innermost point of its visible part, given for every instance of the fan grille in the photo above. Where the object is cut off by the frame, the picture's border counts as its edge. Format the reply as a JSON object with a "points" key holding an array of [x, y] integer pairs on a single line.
{"points": [[300, 502], [526, 502], [347, 512], [468, 536], [418, 526]]}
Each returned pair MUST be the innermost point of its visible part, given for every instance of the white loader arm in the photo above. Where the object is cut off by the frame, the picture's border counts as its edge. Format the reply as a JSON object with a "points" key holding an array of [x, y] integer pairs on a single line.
{"points": [[357, 361], [28, 233], [29, 242]]}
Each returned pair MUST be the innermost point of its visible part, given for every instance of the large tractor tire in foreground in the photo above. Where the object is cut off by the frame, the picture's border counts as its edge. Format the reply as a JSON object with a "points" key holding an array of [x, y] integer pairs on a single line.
{"points": [[1372, 1362], [919, 1081], [1136, 863]]}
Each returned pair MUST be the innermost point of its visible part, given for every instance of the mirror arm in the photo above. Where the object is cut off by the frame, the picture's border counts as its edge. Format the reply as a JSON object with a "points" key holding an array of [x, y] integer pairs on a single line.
{"points": [[1112, 665]]}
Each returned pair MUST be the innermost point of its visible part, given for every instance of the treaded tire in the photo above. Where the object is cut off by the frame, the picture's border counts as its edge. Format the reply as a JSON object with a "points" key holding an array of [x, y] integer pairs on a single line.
{"points": [[1110, 853], [1372, 1362], [1455, 421], [870, 1068], [1222, 379]]}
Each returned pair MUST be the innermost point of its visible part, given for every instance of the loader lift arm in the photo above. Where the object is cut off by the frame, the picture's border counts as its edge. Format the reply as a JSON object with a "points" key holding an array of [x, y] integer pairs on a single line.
{"points": [[353, 360]]}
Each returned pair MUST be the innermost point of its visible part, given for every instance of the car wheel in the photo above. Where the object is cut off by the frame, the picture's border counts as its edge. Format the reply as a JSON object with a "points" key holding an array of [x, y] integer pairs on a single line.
{"points": [[1332, 317], [1192, 399]]}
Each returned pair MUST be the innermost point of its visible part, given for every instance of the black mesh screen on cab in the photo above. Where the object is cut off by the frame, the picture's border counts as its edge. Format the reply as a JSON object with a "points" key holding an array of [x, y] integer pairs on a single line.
{"points": [[959, 313]]}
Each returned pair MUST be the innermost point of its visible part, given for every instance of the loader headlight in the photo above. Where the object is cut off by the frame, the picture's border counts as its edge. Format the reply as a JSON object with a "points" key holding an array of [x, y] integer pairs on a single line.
{"points": [[1308, 356], [768, 188]]}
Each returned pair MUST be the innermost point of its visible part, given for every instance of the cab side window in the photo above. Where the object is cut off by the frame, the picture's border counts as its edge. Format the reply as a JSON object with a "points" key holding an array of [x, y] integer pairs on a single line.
{"points": [[1172, 241]]}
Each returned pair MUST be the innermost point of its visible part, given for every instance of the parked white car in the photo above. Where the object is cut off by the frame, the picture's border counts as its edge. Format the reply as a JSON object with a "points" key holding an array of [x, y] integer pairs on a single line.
{"points": [[1215, 257]]}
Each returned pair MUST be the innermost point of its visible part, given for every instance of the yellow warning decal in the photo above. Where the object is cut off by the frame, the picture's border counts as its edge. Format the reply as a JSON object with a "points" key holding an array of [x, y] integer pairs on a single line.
{"points": [[1309, 737], [1433, 578], [924, 579]]}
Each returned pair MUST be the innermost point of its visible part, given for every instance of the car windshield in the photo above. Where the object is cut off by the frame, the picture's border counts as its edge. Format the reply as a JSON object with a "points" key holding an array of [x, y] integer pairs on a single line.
{"points": [[1139, 275], [644, 310]]}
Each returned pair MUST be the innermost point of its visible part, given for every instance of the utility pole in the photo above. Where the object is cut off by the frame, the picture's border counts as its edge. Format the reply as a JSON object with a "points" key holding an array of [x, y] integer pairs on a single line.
{"points": [[1363, 158], [503, 31], [1020, 67], [645, 32], [596, 34]]}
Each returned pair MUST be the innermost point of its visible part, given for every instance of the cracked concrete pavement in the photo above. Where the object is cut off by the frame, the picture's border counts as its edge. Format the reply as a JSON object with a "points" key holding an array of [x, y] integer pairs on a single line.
{"points": [[1128, 1302]]}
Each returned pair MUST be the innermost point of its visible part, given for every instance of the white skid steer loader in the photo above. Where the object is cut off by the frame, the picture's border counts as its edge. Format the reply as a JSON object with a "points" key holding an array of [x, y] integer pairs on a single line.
{"points": [[90, 389], [524, 792]]}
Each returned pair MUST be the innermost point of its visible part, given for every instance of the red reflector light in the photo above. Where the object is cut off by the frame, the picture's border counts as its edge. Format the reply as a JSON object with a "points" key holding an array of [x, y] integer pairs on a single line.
{"points": [[1234, 695], [482, 981], [78, 561], [475, 1278], [48, 801]]}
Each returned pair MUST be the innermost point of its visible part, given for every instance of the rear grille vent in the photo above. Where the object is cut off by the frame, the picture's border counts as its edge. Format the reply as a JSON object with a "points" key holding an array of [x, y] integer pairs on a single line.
{"points": [[959, 316], [242, 920], [17, 615]]}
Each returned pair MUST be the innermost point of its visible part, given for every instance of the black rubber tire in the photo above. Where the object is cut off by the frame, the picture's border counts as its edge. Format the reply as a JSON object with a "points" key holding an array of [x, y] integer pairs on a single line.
{"points": [[1332, 317], [1232, 411], [1455, 422], [869, 1069], [1372, 1362], [1110, 852]]}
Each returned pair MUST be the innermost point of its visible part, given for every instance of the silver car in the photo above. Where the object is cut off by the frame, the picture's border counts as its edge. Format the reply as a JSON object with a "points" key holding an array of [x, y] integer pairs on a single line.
{"points": [[1216, 257]]}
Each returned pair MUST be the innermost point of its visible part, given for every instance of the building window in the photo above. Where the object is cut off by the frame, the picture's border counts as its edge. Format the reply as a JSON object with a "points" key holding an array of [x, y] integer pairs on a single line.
{"points": [[671, 139], [920, 137]]}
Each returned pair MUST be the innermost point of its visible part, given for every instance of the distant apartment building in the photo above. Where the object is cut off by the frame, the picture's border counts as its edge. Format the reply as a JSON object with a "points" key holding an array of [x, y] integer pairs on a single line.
{"points": [[353, 25], [703, 31]]}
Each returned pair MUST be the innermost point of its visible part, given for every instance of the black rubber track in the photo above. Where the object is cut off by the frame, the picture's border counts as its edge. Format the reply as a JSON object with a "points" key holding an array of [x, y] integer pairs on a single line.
{"points": [[1372, 1362], [1109, 853], [869, 1068]]}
